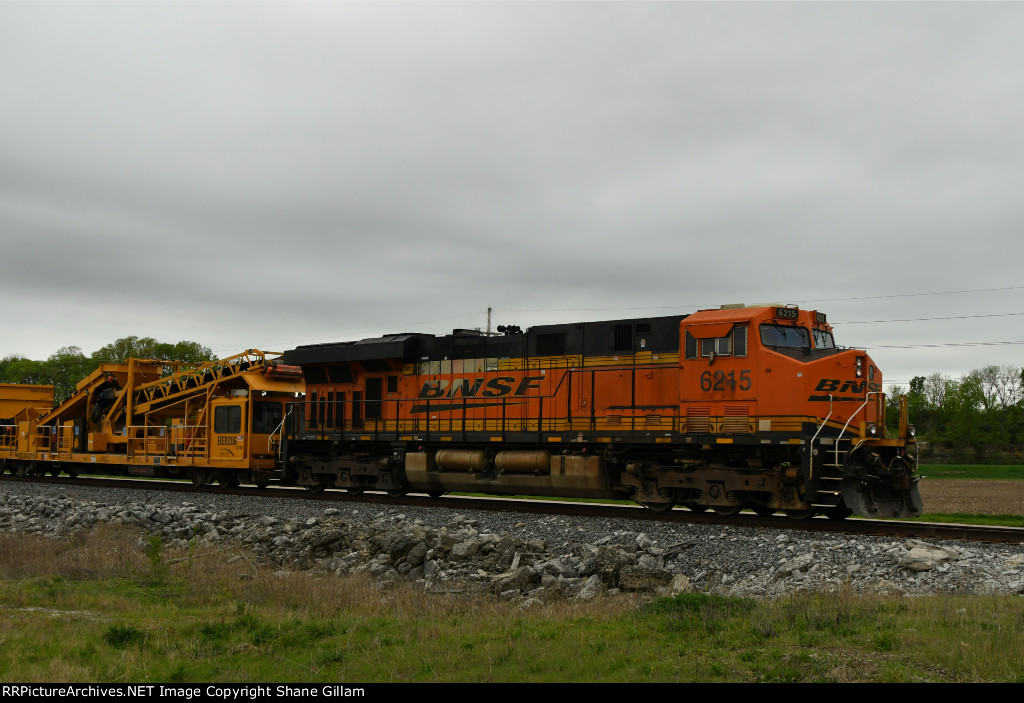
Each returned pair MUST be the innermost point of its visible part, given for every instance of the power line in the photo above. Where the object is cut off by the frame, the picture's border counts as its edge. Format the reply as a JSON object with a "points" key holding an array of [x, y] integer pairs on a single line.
{"points": [[350, 334], [943, 344], [908, 295], [929, 319], [802, 302]]}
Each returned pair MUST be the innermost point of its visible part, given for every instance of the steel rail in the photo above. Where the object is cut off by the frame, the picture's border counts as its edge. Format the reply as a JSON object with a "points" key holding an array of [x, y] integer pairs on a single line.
{"points": [[850, 526]]}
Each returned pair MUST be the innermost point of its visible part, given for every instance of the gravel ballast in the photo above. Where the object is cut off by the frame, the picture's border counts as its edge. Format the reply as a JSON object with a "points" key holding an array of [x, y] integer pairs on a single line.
{"points": [[522, 557]]}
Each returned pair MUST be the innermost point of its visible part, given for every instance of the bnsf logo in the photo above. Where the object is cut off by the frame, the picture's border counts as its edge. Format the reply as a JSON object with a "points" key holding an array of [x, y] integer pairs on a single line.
{"points": [[832, 385], [473, 387]]}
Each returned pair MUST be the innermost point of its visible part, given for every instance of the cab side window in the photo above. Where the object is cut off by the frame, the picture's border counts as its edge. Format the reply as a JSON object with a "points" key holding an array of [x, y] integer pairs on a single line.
{"points": [[227, 420], [732, 344]]}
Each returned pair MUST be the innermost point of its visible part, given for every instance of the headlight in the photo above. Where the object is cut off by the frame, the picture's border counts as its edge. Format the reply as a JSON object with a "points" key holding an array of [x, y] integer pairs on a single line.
{"points": [[860, 366], [871, 429], [911, 431]]}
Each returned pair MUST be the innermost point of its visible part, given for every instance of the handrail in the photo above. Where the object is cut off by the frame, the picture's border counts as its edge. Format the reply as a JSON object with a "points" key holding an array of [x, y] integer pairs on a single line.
{"points": [[853, 415], [318, 421], [279, 430], [810, 448]]}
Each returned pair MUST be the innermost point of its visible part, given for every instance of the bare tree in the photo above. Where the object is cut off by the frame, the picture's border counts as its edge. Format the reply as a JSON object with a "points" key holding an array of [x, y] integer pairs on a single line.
{"points": [[935, 388]]}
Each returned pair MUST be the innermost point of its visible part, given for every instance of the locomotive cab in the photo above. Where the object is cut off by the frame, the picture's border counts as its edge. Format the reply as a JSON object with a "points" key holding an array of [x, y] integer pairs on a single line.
{"points": [[772, 376]]}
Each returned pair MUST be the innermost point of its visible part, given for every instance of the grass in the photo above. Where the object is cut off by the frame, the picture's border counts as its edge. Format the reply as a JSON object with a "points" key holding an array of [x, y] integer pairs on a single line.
{"points": [[973, 519], [114, 606], [938, 472]]}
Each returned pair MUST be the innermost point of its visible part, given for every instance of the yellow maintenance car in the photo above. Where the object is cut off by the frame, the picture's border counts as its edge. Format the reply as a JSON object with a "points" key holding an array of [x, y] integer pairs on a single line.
{"points": [[20, 403], [214, 421]]}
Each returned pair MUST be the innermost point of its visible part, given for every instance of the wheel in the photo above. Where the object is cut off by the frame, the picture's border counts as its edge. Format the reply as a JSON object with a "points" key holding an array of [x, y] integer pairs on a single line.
{"points": [[317, 487], [697, 507], [355, 490], [659, 507], [200, 477], [228, 479], [799, 514], [262, 483], [726, 510], [436, 494], [840, 512], [397, 492], [55, 471]]}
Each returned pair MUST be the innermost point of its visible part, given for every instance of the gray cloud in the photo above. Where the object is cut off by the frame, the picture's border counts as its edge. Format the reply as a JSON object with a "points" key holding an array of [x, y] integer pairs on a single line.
{"points": [[269, 174]]}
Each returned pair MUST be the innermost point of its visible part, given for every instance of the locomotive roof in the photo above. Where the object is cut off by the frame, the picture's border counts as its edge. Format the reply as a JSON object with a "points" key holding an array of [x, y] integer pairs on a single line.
{"points": [[392, 346], [656, 334]]}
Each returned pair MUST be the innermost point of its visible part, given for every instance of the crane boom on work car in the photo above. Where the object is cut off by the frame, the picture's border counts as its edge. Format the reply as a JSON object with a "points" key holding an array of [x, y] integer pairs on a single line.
{"points": [[212, 421]]}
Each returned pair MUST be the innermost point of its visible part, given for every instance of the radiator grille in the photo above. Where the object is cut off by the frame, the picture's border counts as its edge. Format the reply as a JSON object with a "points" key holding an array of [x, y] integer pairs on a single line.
{"points": [[698, 418], [736, 420]]}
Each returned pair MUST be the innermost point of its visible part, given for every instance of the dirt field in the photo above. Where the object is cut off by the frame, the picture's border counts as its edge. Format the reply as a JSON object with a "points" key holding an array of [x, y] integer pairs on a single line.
{"points": [[981, 497]]}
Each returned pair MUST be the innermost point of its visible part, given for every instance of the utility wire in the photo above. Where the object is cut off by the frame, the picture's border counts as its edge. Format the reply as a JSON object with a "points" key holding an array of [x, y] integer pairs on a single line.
{"points": [[801, 302], [907, 295], [352, 333], [943, 344], [930, 319]]}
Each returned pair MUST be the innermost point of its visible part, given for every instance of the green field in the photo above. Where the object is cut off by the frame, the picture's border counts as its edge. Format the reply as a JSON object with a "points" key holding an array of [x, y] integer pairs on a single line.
{"points": [[100, 608], [972, 471]]}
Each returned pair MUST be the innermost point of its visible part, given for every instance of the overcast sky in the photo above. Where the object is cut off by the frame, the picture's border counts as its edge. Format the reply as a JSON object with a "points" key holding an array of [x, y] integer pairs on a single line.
{"points": [[250, 175]]}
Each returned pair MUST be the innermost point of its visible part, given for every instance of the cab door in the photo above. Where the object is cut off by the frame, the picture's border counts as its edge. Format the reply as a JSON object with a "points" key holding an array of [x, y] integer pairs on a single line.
{"points": [[717, 383], [266, 422], [229, 430]]}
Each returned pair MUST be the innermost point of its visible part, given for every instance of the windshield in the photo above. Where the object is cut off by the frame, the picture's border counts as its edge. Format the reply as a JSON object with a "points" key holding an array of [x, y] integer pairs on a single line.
{"points": [[823, 340], [784, 336]]}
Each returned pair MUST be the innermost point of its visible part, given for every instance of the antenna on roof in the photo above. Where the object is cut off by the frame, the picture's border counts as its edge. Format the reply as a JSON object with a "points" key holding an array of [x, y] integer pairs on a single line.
{"points": [[488, 322]]}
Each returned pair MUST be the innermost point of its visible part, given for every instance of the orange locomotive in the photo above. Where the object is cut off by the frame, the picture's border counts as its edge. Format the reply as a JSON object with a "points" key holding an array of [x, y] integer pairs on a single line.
{"points": [[741, 407]]}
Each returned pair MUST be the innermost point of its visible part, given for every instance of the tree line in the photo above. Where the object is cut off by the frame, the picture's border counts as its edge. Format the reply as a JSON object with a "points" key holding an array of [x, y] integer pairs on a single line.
{"points": [[977, 417], [68, 365]]}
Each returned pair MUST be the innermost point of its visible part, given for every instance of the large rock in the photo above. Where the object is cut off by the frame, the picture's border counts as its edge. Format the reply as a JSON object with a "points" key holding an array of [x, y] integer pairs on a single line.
{"points": [[925, 557], [592, 588], [522, 579], [797, 564], [643, 579]]}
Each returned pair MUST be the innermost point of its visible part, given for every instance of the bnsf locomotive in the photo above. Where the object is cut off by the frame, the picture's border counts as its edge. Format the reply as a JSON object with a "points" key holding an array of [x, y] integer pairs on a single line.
{"points": [[740, 407]]}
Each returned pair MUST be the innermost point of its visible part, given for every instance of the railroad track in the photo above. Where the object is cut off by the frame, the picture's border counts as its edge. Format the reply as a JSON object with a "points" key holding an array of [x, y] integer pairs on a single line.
{"points": [[850, 526]]}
